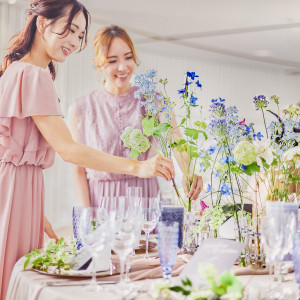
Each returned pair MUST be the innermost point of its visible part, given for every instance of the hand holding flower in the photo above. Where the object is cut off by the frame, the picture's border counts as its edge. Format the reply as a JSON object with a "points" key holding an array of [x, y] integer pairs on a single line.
{"points": [[196, 187], [156, 166]]}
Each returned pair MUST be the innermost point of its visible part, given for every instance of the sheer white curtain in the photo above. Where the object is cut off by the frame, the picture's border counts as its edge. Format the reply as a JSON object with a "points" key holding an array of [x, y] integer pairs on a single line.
{"points": [[237, 82]]}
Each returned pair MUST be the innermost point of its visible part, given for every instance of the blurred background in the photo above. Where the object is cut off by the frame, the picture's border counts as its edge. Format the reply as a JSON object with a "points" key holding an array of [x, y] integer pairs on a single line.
{"points": [[239, 49]]}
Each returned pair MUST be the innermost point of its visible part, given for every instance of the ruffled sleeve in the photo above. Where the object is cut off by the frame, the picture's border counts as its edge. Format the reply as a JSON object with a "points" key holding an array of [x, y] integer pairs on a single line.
{"points": [[27, 90]]}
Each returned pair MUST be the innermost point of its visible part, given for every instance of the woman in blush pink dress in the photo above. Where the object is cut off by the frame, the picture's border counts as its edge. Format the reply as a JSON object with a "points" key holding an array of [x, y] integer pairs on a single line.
{"points": [[32, 128], [98, 120]]}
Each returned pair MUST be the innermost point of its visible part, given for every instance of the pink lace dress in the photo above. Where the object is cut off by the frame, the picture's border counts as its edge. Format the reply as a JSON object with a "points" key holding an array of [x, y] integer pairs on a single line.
{"points": [[25, 90], [101, 119]]}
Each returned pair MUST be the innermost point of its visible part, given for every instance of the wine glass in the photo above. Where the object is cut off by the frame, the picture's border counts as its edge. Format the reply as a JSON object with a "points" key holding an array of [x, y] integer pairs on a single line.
{"points": [[122, 223], [93, 234], [150, 217], [134, 198]]}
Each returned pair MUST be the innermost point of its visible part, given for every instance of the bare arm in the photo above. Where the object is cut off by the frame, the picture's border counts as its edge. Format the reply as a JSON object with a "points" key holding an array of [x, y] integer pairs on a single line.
{"points": [[57, 134], [79, 173]]}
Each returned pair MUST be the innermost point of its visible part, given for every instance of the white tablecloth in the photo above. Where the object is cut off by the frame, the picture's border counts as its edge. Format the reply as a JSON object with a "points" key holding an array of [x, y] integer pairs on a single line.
{"points": [[31, 285]]}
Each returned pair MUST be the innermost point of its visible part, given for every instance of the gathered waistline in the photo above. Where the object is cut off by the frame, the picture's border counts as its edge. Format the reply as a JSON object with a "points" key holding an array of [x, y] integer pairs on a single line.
{"points": [[16, 166]]}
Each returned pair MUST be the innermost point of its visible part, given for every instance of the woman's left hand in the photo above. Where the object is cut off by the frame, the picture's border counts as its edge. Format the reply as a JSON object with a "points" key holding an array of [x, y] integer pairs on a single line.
{"points": [[196, 187]]}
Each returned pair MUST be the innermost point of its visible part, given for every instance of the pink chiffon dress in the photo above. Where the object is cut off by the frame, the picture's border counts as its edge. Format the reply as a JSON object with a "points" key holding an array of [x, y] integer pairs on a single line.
{"points": [[25, 90], [101, 119]]}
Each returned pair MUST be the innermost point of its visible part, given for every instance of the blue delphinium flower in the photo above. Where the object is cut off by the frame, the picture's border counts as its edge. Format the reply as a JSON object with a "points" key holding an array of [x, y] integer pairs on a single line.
{"points": [[169, 117], [231, 159], [243, 167], [248, 129], [225, 189], [214, 100], [258, 136], [211, 150], [182, 91], [217, 110], [187, 83], [208, 188], [151, 73], [193, 100], [217, 174], [218, 127], [223, 160], [201, 154], [199, 85], [201, 167], [221, 100], [192, 75], [260, 102]]}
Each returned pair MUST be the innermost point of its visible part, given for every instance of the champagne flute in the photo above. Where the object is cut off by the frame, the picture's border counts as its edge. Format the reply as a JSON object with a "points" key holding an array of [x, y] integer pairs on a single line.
{"points": [[150, 217], [93, 233], [122, 223], [134, 198]]}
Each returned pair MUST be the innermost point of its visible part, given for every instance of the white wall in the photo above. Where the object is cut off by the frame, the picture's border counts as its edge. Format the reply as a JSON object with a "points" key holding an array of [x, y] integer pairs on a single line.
{"points": [[237, 82]]}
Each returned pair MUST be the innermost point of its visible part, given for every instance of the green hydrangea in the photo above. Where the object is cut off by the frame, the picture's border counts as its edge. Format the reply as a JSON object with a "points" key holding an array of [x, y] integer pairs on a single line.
{"points": [[138, 141], [244, 153], [125, 136], [221, 168]]}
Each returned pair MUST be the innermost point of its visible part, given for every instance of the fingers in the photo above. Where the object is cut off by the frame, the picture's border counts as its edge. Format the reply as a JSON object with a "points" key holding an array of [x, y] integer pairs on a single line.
{"points": [[196, 187], [168, 163], [163, 172], [193, 187], [185, 185]]}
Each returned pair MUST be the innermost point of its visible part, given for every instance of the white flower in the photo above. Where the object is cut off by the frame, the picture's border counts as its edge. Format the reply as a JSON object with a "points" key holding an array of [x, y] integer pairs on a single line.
{"points": [[201, 294], [264, 150], [291, 153]]}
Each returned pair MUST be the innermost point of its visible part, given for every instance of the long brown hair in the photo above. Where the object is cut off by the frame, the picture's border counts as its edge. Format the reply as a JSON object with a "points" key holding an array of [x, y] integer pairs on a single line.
{"points": [[103, 40], [20, 44]]}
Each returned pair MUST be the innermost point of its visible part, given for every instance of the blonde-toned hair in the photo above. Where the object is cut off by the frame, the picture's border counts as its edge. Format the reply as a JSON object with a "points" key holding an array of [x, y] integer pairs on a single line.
{"points": [[103, 40]]}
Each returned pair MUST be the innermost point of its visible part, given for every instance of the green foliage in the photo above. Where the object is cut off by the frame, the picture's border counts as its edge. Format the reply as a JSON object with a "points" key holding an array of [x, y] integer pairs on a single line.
{"points": [[252, 168], [134, 154], [55, 254], [217, 287]]}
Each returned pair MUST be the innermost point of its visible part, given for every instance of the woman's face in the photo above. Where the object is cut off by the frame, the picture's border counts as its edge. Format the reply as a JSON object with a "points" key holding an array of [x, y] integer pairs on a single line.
{"points": [[58, 46], [119, 64]]}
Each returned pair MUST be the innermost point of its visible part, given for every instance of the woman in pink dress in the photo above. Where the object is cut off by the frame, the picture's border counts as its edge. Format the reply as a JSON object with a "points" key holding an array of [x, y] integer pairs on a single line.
{"points": [[32, 128], [98, 120]]}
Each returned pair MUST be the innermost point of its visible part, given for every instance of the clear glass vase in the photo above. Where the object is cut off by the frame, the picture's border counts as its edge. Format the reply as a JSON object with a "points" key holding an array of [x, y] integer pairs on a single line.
{"points": [[190, 239]]}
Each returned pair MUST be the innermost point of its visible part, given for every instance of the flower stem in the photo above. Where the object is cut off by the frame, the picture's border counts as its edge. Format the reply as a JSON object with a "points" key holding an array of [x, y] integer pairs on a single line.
{"points": [[265, 122]]}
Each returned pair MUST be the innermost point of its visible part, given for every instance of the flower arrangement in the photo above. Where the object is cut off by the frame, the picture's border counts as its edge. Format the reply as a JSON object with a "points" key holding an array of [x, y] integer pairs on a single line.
{"points": [[192, 131], [55, 255], [225, 286], [158, 123], [284, 137]]}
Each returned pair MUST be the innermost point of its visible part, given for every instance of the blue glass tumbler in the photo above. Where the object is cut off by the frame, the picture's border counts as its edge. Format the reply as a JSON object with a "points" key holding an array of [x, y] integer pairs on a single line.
{"points": [[174, 214], [167, 246]]}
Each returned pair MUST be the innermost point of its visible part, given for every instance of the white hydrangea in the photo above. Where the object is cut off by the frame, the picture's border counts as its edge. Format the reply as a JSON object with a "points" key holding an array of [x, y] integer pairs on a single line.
{"points": [[291, 153], [264, 150]]}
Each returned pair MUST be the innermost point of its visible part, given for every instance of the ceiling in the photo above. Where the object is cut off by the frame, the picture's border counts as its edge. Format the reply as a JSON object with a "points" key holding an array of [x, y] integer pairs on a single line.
{"points": [[252, 31]]}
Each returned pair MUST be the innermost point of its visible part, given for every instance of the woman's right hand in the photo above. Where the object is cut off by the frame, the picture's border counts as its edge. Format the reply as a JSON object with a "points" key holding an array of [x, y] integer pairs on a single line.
{"points": [[156, 166]]}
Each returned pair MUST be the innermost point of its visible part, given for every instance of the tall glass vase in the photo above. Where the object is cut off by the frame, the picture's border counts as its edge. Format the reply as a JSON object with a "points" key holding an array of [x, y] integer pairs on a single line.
{"points": [[190, 240]]}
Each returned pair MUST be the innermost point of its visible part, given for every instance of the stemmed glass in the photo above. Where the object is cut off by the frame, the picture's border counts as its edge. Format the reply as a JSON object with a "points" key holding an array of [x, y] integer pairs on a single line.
{"points": [[150, 217], [134, 198], [122, 222], [168, 233], [93, 234]]}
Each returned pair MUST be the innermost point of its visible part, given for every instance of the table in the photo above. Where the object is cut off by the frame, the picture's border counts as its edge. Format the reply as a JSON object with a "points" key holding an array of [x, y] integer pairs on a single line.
{"points": [[30, 285]]}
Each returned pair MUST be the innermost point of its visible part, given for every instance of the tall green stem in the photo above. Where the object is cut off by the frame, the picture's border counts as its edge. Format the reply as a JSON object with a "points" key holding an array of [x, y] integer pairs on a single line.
{"points": [[265, 122]]}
